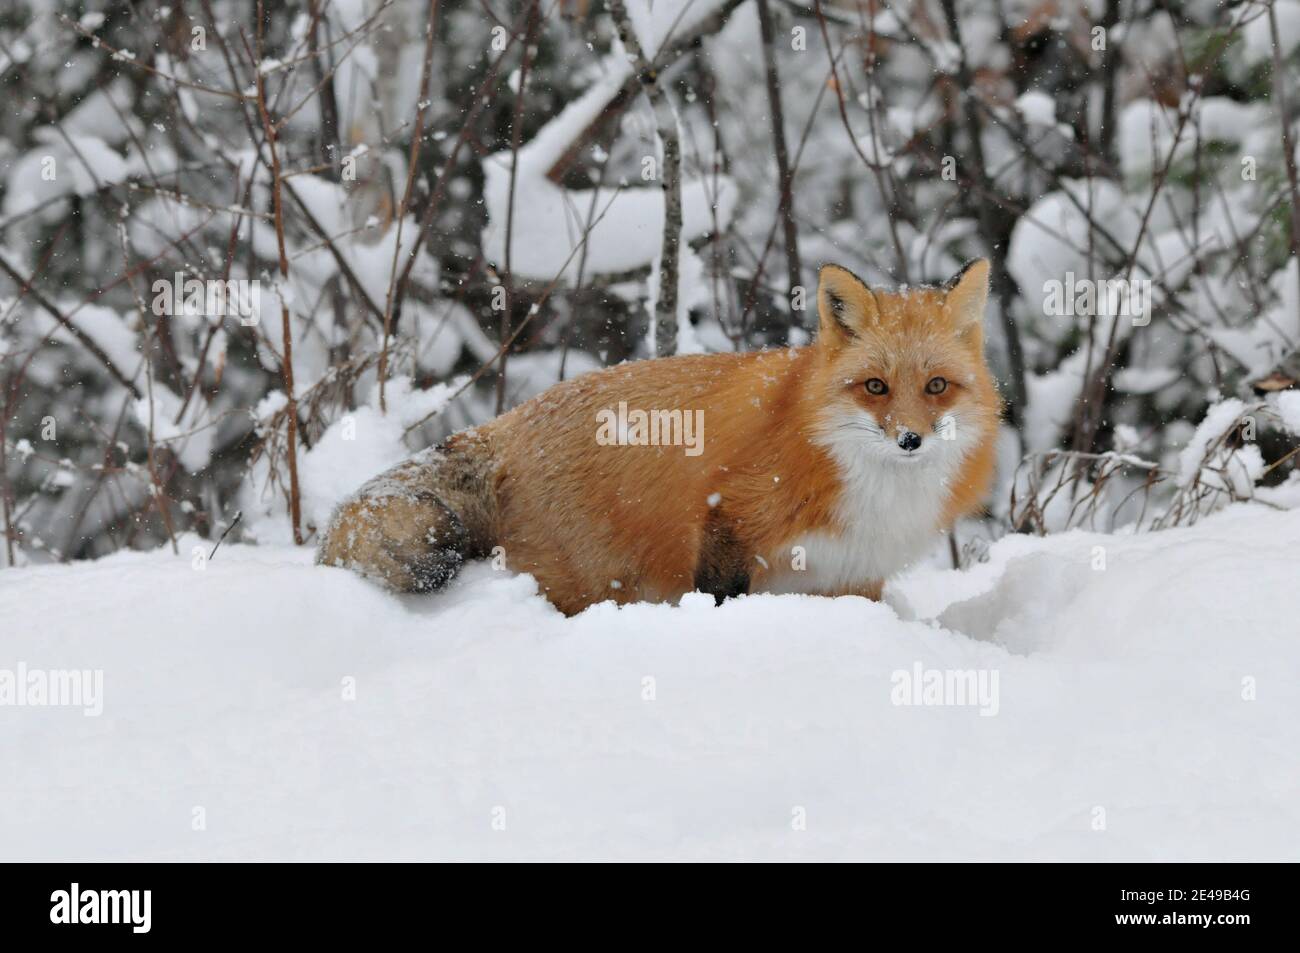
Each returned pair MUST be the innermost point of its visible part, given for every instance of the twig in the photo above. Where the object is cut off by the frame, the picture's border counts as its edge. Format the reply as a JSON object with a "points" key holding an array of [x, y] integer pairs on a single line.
{"points": [[665, 336], [224, 533], [1284, 114], [286, 362], [417, 139], [516, 139], [25, 287], [993, 234], [784, 175]]}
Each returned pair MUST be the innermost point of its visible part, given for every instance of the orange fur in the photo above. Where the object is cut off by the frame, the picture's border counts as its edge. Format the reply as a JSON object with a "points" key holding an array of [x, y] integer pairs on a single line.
{"points": [[594, 522], [625, 522]]}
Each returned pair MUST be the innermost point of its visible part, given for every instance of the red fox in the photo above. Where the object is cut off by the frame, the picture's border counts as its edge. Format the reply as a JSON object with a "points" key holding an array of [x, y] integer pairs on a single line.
{"points": [[822, 469]]}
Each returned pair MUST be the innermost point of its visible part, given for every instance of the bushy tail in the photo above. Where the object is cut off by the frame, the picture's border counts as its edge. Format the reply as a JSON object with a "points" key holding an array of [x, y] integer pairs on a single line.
{"points": [[412, 527]]}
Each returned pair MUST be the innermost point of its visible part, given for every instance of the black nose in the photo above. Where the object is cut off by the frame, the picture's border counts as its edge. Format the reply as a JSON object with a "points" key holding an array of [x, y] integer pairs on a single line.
{"points": [[909, 441]]}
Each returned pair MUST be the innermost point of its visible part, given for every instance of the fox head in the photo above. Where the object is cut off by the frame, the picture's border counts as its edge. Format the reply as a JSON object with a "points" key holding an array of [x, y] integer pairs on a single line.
{"points": [[904, 372]]}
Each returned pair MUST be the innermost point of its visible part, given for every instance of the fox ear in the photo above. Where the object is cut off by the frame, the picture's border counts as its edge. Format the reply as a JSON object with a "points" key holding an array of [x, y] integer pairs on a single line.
{"points": [[967, 294], [845, 305]]}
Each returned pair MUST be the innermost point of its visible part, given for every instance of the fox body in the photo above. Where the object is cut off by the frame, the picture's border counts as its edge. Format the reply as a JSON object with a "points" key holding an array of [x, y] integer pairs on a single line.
{"points": [[819, 469]]}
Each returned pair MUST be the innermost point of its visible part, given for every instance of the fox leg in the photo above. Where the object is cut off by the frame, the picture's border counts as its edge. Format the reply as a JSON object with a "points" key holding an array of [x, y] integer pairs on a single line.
{"points": [[413, 526], [722, 568]]}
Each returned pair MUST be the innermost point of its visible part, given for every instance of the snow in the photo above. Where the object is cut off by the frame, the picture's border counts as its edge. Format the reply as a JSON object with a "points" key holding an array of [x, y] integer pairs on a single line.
{"points": [[623, 225], [1260, 346], [1037, 108], [1288, 406], [110, 330], [1207, 459], [1258, 35], [1146, 685], [104, 113], [667, 20], [190, 435], [1051, 238], [355, 447], [370, 258]]}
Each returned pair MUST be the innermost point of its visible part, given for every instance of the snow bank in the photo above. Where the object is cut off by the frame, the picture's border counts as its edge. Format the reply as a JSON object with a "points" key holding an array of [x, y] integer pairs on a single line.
{"points": [[1147, 705]]}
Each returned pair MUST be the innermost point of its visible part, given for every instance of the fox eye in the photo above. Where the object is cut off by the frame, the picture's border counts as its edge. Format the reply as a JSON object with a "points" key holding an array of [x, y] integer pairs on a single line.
{"points": [[936, 385], [877, 386]]}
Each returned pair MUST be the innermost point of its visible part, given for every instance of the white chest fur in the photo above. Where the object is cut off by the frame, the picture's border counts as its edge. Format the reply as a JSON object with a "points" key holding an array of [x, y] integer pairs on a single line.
{"points": [[889, 513]]}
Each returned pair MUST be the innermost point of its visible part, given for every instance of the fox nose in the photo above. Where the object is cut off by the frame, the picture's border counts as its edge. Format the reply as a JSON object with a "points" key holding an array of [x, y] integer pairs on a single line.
{"points": [[909, 440]]}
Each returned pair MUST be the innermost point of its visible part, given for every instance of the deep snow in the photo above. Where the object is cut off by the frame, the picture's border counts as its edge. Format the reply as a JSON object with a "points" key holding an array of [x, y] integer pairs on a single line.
{"points": [[1121, 690]]}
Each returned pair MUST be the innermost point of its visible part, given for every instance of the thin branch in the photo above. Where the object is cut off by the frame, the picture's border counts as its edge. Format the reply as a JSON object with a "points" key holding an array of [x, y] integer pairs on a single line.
{"points": [[286, 363], [670, 177], [784, 174]]}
